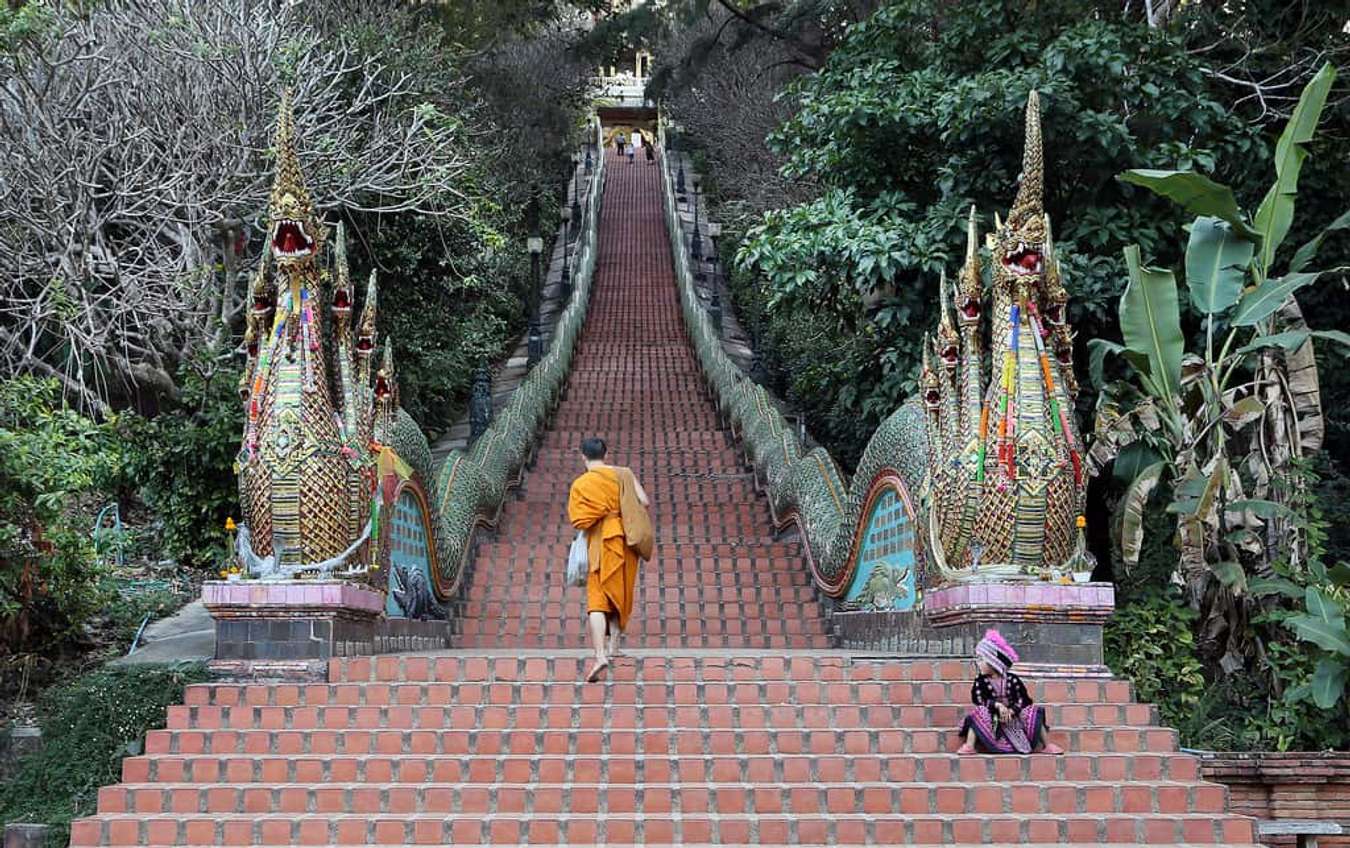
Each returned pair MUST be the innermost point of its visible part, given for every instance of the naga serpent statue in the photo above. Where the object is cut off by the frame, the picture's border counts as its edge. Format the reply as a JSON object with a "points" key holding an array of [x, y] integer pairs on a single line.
{"points": [[335, 479], [1006, 477], [976, 479]]}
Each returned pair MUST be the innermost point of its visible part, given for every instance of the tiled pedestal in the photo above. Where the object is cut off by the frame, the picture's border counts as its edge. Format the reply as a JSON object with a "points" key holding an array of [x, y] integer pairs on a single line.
{"points": [[1054, 626], [292, 628]]}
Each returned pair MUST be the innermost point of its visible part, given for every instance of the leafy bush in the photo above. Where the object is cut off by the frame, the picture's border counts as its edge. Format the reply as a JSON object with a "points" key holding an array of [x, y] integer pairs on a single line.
{"points": [[917, 114], [88, 726], [1149, 641], [56, 467], [184, 464]]}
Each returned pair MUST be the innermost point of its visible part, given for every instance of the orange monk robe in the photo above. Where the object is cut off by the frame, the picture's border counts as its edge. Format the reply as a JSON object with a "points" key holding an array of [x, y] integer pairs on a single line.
{"points": [[593, 506]]}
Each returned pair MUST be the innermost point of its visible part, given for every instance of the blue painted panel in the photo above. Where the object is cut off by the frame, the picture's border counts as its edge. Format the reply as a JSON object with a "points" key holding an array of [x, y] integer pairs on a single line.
{"points": [[884, 579], [409, 559]]}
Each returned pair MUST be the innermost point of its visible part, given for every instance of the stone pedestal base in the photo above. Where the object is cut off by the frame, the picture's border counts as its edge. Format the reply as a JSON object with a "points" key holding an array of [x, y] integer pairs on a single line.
{"points": [[290, 629], [19, 835], [1056, 628], [19, 742]]}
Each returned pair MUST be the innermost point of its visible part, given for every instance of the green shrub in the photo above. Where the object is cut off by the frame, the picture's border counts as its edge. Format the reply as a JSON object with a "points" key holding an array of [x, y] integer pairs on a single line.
{"points": [[449, 297], [88, 726], [184, 464], [56, 468], [1149, 641]]}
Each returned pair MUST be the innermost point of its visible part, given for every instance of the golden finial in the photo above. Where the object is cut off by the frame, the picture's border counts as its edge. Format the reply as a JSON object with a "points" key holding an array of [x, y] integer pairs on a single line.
{"points": [[296, 232], [944, 305], [1031, 188], [342, 285], [970, 285], [365, 342]]}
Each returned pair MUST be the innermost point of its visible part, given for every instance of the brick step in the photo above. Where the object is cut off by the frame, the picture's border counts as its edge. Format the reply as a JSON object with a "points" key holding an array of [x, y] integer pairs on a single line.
{"points": [[563, 467], [535, 500], [520, 638], [732, 559], [541, 553], [440, 829], [771, 845], [696, 741], [654, 602], [752, 670], [571, 691], [743, 616], [617, 768], [561, 439], [662, 798], [651, 590], [699, 534], [662, 618], [601, 717], [684, 460], [684, 527]]}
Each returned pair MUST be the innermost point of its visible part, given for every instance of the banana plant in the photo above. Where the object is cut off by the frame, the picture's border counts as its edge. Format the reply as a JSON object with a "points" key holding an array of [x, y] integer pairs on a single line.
{"points": [[1218, 426]]}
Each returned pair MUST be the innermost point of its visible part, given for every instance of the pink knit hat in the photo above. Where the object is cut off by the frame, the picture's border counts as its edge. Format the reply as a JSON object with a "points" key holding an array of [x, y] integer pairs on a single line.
{"points": [[996, 651]]}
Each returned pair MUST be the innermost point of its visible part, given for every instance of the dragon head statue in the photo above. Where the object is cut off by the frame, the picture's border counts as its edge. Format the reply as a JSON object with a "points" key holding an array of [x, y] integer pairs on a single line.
{"points": [[1005, 474], [305, 467]]}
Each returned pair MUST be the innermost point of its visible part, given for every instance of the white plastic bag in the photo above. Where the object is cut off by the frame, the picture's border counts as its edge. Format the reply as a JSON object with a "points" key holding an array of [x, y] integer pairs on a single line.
{"points": [[578, 560]]}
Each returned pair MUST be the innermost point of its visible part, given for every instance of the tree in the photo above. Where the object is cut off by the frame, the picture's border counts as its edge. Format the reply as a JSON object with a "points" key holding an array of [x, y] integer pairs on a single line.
{"points": [[137, 137]]}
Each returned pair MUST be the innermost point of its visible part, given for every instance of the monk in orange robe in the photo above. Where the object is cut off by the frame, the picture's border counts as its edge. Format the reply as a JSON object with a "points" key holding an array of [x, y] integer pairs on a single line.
{"points": [[594, 505]]}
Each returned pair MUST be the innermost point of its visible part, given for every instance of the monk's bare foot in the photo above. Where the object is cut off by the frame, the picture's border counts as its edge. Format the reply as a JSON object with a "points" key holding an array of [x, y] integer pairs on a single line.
{"points": [[597, 670], [966, 750], [1052, 748]]}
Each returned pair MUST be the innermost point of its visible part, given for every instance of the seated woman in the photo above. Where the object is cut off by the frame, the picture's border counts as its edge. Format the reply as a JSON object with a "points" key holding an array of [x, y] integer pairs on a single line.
{"points": [[1005, 720]]}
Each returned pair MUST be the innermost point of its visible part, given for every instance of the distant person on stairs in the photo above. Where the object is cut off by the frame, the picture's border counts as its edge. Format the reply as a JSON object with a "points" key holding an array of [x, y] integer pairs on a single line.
{"points": [[611, 506], [1004, 721]]}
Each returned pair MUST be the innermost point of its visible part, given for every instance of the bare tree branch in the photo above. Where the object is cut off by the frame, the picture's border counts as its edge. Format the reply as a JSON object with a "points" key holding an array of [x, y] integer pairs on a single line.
{"points": [[128, 131]]}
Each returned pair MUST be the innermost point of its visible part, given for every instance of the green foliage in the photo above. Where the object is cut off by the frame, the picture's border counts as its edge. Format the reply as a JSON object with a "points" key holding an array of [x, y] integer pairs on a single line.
{"points": [[88, 726], [55, 464], [1150, 642], [26, 21], [1222, 434], [184, 463], [447, 301], [918, 113]]}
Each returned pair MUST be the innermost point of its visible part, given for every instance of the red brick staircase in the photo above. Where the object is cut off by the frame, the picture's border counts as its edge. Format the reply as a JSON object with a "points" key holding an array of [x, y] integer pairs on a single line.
{"points": [[728, 721]]}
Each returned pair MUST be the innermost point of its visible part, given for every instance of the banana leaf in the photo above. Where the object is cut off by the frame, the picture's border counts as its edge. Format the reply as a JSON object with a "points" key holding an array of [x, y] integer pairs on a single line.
{"points": [[1261, 302], [1150, 321], [1133, 506], [1276, 212], [1216, 264], [1194, 192], [1328, 682], [1305, 254]]}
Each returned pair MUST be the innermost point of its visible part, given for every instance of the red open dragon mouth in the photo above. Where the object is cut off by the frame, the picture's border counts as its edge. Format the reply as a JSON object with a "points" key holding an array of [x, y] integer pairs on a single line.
{"points": [[342, 300], [1024, 261], [1054, 314], [289, 240], [949, 355], [932, 398], [969, 309]]}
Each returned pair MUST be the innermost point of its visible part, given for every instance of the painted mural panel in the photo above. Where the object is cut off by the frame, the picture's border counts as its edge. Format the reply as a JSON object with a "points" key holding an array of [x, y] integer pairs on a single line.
{"points": [[409, 594], [885, 578]]}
